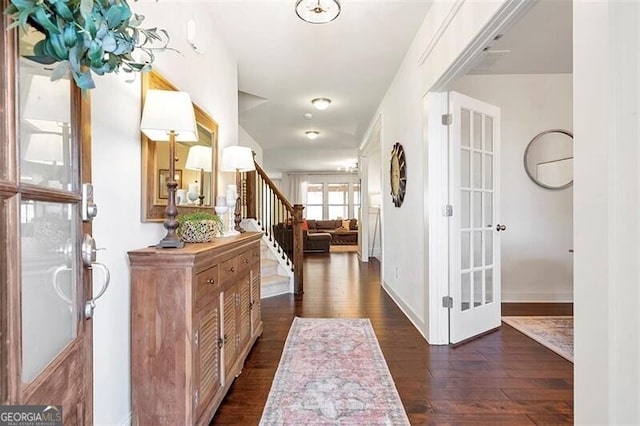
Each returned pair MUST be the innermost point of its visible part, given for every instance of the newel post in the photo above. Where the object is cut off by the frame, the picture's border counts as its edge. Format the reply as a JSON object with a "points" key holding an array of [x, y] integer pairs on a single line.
{"points": [[298, 250], [250, 183]]}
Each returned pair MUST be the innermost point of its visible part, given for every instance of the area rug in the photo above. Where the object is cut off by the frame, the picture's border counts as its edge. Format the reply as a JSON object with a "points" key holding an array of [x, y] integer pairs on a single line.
{"points": [[556, 333], [344, 248], [332, 372]]}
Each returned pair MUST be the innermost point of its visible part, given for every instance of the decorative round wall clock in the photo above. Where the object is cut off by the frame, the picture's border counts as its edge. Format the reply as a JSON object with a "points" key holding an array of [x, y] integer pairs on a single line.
{"points": [[398, 174]]}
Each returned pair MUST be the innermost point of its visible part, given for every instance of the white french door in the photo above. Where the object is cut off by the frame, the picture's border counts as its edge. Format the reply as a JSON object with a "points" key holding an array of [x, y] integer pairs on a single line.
{"points": [[474, 275]]}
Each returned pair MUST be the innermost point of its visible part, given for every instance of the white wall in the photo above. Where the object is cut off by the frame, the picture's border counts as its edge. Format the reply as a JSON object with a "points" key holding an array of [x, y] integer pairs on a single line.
{"points": [[606, 89], [536, 263], [116, 175], [446, 31], [245, 139], [401, 111]]}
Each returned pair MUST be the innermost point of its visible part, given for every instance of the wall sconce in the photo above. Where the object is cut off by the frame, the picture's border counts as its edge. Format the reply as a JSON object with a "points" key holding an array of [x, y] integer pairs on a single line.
{"points": [[169, 116], [237, 159], [199, 158]]}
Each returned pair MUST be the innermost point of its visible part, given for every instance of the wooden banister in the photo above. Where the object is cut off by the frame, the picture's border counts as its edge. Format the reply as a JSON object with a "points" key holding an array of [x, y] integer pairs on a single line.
{"points": [[266, 203], [275, 189]]}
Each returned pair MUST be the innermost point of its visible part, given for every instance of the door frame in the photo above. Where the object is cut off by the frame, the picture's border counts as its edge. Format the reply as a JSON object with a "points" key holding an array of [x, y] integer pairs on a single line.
{"points": [[435, 104]]}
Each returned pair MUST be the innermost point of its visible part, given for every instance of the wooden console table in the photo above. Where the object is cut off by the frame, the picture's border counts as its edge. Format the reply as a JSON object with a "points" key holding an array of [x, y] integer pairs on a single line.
{"points": [[195, 314]]}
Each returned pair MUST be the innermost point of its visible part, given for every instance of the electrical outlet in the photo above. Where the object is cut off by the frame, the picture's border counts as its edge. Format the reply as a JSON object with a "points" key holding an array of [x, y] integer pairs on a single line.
{"points": [[397, 272]]}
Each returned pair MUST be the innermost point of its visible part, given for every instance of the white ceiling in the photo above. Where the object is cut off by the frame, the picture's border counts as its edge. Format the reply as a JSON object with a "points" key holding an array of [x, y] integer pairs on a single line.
{"points": [[284, 63], [288, 62], [541, 42]]}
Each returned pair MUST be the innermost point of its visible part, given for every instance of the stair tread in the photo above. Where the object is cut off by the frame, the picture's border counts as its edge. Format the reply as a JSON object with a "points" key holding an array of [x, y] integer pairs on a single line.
{"points": [[273, 278], [268, 262]]}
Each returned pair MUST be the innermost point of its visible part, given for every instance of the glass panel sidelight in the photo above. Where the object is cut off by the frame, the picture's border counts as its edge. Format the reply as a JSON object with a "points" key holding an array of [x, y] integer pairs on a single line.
{"points": [[477, 209], [465, 127], [477, 249], [465, 300], [488, 133], [477, 170], [488, 248], [488, 276], [465, 248], [477, 288], [465, 168], [50, 272], [465, 209], [45, 149], [477, 130], [488, 174], [488, 210]]}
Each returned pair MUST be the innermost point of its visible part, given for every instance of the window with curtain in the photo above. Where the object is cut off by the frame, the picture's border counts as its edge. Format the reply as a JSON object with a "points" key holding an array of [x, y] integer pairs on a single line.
{"points": [[315, 201], [338, 200], [356, 200]]}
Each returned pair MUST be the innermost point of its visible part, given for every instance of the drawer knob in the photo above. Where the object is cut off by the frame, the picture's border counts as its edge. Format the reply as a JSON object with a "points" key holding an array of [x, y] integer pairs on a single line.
{"points": [[211, 281], [232, 269], [246, 261]]}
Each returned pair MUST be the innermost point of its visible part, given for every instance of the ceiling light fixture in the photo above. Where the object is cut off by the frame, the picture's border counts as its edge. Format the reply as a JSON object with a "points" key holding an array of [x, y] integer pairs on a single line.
{"points": [[312, 134], [308, 115], [321, 103], [317, 11]]}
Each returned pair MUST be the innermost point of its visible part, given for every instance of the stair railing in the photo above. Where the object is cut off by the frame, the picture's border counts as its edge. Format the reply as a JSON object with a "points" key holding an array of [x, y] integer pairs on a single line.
{"points": [[265, 203]]}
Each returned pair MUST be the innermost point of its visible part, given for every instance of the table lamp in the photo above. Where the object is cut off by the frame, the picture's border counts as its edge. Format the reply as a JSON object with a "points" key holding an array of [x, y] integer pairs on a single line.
{"points": [[237, 159], [199, 158], [169, 116]]}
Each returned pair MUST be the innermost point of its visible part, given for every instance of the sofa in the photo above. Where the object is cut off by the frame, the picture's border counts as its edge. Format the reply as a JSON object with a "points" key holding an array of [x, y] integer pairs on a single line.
{"points": [[316, 242], [341, 231]]}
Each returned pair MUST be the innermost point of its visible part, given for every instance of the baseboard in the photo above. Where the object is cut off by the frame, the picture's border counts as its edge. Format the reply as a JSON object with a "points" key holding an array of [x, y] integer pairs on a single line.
{"points": [[536, 309], [537, 297], [417, 323]]}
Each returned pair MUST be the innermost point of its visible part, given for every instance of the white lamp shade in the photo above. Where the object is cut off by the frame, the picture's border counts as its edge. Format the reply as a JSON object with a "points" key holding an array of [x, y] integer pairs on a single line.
{"points": [[48, 104], [44, 148], [199, 157], [238, 158], [166, 111]]}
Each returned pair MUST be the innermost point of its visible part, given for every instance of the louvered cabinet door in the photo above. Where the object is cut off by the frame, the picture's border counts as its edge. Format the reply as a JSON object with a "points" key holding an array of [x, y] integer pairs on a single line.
{"points": [[228, 301], [245, 310], [207, 356], [256, 304]]}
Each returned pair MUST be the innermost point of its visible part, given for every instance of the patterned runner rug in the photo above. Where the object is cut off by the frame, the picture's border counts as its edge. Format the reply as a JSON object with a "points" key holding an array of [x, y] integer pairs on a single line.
{"points": [[556, 333], [332, 371]]}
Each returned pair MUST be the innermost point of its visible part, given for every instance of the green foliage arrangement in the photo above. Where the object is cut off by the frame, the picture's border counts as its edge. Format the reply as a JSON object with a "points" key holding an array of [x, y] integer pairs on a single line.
{"points": [[199, 227], [87, 36]]}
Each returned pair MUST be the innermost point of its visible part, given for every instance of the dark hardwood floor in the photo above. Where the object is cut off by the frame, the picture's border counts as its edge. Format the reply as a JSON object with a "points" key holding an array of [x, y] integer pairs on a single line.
{"points": [[500, 378]]}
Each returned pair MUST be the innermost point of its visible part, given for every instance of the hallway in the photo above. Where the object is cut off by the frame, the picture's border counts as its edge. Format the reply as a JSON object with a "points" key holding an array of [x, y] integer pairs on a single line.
{"points": [[500, 378]]}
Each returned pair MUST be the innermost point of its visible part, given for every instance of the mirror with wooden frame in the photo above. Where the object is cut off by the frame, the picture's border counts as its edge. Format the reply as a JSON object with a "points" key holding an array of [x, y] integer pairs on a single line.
{"points": [[196, 164]]}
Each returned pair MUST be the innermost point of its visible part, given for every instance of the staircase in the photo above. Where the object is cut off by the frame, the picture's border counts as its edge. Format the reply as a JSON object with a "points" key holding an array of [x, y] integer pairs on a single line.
{"points": [[272, 283], [276, 277]]}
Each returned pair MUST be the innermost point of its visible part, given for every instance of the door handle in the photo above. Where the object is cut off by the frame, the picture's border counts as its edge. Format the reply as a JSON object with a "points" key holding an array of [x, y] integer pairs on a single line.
{"points": [[501, 227], [90, 305]]}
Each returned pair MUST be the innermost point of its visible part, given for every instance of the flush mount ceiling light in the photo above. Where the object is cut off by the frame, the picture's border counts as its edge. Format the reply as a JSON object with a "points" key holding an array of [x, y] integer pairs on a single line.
{"points": [[312, 134], [321, 103], [317, 11]]}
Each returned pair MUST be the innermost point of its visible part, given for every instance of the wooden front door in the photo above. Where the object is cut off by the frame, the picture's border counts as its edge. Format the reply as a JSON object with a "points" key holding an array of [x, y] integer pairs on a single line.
{"points": [[46, 349]]}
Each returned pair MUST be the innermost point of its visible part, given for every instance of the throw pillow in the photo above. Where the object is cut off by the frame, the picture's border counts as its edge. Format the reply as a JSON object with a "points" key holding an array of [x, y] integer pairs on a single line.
{"points": [[345, 225], [305, 225]]}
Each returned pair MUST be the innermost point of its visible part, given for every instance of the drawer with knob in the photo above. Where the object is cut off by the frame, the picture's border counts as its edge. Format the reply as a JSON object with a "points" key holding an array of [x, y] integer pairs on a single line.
{"points": [[228, 269], [207, 284]]}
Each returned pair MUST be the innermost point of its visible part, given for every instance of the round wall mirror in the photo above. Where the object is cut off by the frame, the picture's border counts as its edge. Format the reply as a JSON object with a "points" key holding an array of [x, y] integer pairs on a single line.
{"points": [[548, 159]]}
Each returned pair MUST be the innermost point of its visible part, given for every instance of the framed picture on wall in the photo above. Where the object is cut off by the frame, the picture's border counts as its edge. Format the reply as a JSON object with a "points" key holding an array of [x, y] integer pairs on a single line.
{"points": [[163, 178]]}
